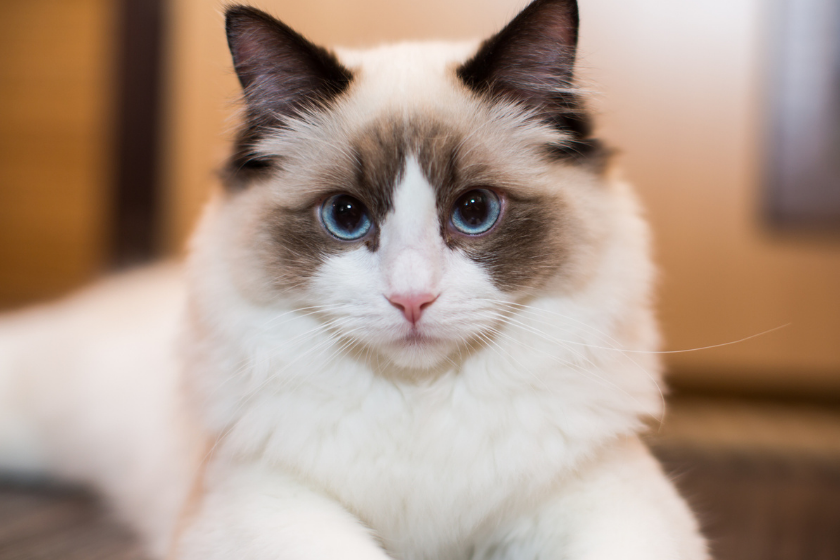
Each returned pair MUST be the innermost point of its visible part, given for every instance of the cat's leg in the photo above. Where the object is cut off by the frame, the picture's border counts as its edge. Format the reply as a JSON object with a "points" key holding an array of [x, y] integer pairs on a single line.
{"points": [[618, 507], [250, 512]]}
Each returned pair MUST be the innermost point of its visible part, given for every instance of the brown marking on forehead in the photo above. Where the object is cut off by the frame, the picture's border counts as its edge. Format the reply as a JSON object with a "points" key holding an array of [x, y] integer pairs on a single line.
{"points": [[378, 165], [530, 244], [297, 243]]}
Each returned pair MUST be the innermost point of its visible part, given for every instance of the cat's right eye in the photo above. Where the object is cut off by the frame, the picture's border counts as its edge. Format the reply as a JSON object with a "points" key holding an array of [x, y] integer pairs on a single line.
{"points": [[345, 217], [476, 211]]}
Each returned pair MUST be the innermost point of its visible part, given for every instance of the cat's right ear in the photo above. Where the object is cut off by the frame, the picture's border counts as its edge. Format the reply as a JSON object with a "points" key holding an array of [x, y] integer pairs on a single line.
{"points": [[281, 72], [531, 61]]}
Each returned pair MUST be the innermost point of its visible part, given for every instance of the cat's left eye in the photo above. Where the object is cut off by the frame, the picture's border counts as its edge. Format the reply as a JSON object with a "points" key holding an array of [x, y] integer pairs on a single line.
{"points": [[476, 211], [345, 217]]}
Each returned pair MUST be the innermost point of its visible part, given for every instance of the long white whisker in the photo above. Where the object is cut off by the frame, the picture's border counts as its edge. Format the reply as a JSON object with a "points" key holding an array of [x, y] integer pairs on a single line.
{"points": [[565, 344], [624, 350]]}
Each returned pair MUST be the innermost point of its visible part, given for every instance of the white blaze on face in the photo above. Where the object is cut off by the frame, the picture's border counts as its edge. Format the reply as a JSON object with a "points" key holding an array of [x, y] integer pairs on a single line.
{"points": [[410, 245], [414, 299]]}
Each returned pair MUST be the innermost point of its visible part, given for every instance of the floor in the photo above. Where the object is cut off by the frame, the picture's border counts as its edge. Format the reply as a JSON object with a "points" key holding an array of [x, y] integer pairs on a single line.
{"points": [[50, 523], [763, 477], [761, 507]]}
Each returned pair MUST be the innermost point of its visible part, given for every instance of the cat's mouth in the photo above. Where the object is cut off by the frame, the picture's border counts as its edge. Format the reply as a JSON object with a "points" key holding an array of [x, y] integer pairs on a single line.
{"points": [[417, 338], [416, 349]]}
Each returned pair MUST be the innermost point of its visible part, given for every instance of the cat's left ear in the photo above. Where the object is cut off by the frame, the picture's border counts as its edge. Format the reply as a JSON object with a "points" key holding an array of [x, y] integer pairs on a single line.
{"points": [[281, 72], [531, 61]]}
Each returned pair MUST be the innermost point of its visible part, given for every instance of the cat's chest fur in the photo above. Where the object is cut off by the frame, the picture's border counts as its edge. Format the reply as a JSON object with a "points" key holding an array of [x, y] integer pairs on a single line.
{"points": [[430, 464], [424, 471]]}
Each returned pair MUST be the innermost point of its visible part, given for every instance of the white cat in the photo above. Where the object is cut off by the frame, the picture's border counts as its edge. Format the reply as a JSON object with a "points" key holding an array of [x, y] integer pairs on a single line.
{"points": [[418, 326]]}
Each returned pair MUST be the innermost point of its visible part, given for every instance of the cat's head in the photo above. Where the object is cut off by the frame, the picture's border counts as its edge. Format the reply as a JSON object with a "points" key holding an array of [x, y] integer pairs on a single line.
{"points": [[410, 195]]}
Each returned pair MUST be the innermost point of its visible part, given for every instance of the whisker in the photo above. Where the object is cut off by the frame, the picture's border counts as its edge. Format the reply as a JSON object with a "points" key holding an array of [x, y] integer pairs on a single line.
{"points": [[565, 344], [538, 310]]}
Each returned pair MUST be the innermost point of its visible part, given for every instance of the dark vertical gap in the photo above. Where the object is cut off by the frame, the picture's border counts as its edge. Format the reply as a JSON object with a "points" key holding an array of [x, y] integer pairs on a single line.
{"points": [[140, 78]]}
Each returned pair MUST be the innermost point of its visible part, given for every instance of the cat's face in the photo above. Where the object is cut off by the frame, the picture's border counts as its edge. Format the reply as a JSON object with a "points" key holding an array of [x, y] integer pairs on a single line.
{"points": [[412, 195]]}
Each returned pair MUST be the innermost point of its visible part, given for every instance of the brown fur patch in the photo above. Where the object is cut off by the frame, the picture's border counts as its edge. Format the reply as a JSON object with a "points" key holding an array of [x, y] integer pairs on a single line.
{"points": [[528, 245], [525, 247], [378, 164], [298, 242]]}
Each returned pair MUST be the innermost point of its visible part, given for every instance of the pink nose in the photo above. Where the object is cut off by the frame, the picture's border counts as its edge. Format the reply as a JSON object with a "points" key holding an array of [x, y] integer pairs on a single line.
{"points": [[412, 305]]}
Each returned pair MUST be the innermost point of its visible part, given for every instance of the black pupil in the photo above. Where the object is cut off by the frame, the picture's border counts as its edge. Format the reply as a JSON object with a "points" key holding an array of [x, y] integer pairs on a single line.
{"points": [[473, 208], [348, 213]]}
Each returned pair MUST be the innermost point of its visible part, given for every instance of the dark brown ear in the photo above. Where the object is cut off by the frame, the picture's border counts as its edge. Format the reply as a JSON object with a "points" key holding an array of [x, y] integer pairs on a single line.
{"points": [[531, 61], [282, 74], [280, 71]]}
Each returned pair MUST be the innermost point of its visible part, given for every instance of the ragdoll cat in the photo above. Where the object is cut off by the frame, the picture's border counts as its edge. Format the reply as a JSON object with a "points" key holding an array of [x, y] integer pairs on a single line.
{"points": [[418, 325]]}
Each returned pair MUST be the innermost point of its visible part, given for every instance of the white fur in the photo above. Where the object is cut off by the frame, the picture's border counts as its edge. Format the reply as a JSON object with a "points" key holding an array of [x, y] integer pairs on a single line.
{"points": [[93, 382], [412, 250], [509, 433]]}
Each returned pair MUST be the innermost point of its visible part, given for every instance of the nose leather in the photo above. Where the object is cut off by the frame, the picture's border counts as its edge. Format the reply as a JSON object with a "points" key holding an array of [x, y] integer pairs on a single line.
{"points": [[412, 305]]}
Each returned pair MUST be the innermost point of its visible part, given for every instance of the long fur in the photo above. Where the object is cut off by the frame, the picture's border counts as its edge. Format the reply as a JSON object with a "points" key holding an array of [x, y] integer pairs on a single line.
{"points": [[243, 409]]}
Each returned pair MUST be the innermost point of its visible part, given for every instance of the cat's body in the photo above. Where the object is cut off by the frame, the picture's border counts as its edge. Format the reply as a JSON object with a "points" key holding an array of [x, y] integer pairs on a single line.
{"points": [[408, 325]]}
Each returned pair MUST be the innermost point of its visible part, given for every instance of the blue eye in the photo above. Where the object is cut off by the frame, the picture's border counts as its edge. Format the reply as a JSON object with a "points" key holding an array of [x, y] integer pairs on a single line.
{"points": [[476, 211], [345, 217]]}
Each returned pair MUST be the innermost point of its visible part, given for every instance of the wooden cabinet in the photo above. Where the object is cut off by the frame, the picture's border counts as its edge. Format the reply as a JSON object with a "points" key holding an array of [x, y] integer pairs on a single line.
{"points": [[55, 107]]}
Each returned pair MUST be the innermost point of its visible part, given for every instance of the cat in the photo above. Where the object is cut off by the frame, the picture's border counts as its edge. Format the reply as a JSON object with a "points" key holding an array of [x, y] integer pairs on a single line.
{"points": [[416, 324]]}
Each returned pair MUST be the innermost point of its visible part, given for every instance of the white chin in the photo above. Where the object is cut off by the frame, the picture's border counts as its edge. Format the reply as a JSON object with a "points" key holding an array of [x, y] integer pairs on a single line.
{"points": [[417, 353]]}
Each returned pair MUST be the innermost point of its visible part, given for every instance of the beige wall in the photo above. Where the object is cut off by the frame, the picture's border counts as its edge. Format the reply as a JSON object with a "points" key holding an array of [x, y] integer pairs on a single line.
{"points": [[55, 96], [683, 98], [678, 89]]}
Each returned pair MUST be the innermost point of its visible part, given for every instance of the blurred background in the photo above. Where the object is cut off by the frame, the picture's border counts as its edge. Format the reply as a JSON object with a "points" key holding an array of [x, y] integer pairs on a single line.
{"points": [[115, 114]]}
